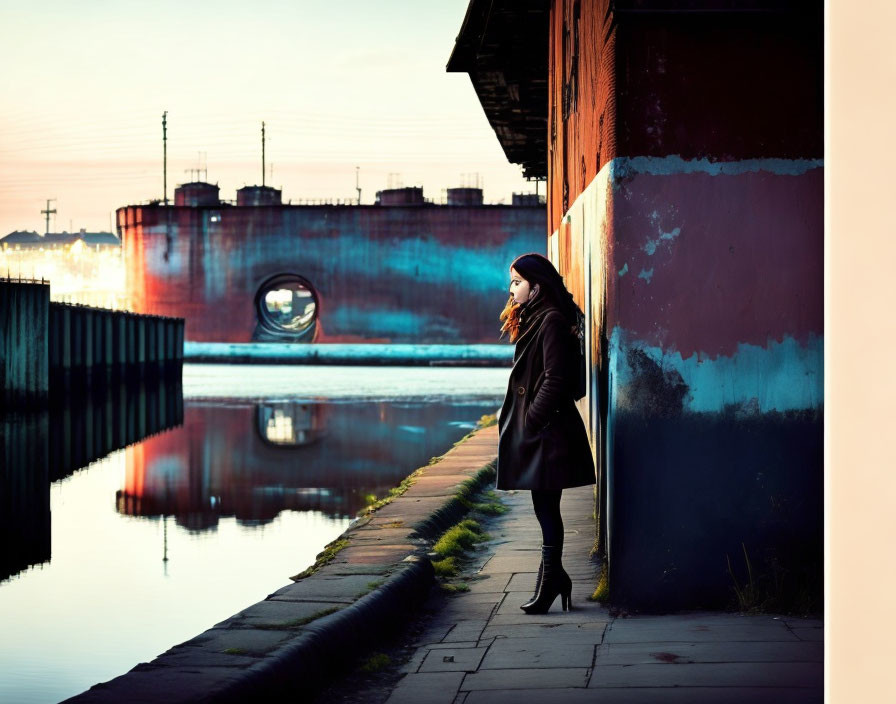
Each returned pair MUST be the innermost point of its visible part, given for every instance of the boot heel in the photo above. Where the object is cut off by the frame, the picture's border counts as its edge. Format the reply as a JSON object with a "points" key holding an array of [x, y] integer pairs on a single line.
{"points": [[564, 601]]}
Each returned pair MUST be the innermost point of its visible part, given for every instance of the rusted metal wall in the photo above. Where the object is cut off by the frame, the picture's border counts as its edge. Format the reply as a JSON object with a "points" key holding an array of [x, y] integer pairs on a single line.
{"points": [[24, 377], [421, 274], [582, 99], [731, 83], [96, 345], [686, 212]]}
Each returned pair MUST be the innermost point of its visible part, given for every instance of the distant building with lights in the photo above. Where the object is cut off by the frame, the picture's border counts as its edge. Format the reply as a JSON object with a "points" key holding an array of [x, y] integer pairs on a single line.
{"points": [[22, 239]]}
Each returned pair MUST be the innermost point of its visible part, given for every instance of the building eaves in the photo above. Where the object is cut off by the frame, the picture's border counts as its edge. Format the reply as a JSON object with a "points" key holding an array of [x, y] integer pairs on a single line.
{"points": [[503, 46]]}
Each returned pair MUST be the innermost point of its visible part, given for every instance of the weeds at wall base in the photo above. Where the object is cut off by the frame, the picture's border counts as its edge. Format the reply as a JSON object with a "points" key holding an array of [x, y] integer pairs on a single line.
{"points": [[602, 591], [778, 587]]}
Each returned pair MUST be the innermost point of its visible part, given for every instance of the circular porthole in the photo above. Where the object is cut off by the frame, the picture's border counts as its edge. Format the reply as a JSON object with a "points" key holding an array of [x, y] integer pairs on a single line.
{"points": [[287, 308]]}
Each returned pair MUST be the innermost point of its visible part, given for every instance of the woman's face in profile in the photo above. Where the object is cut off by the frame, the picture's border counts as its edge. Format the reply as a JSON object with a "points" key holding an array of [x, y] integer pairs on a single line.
{"points": [[519, 287]]}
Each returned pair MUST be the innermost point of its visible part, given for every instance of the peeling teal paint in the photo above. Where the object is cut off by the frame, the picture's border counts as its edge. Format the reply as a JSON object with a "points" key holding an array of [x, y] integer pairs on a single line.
{"points": [[651, 245], [671, 235], [782, 376], [646, 274], [623, 168], [624, 270]]}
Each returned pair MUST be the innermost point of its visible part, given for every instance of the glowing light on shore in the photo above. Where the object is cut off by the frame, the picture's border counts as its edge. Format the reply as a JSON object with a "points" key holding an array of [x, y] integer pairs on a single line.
{"points": [[78, 273]]}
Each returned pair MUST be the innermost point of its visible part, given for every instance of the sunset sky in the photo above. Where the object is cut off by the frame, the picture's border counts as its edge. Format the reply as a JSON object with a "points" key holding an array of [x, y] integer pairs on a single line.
{"points": [[338, 84]]}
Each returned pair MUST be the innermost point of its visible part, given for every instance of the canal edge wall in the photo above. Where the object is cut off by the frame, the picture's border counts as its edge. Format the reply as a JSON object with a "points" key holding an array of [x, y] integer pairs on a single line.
{"points": [[48, 347], [366, 582], [348, 354]]}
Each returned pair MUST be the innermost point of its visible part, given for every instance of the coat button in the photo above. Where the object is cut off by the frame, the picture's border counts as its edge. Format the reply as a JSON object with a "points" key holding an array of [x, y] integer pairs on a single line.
{"points": [[521, 391]]}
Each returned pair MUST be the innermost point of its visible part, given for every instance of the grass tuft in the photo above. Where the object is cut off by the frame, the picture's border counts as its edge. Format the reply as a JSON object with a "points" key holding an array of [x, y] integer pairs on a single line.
{"points": [[373, 503], [779, 584], [446, 567], [375, 662], [459, 538], [488, 420], [602, 591], [747, 596], [370, 587], [324, 557], [491, 507], [299, 622]]}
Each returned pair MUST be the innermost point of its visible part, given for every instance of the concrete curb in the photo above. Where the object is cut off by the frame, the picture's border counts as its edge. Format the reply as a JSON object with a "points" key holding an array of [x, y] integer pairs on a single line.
{"points": [[284, 645], [351, 354], [452, 510], [332, 640]]}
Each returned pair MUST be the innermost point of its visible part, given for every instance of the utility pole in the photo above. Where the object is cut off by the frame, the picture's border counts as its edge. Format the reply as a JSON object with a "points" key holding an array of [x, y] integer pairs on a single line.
{"points": [[357, 184], [262, 154], [165, 157], [47, 212]]}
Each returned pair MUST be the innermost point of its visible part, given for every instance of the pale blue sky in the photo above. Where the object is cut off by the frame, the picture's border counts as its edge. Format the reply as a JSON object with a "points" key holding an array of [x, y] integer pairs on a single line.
{"points": [[339, 84]]}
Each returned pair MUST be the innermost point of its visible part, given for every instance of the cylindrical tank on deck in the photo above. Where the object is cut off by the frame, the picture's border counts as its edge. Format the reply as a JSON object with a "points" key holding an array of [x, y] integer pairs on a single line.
{"points": [[259, 195], [411, 195], [196, 193], [464, 196], [527, 199]]}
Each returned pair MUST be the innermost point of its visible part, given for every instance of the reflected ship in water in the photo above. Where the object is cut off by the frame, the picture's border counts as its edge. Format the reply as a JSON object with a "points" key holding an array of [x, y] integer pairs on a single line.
{"points": [[253, 460], [244, 492], [200, 461]]}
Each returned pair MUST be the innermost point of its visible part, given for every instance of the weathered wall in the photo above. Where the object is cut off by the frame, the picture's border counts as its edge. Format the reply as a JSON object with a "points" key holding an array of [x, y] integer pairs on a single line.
{"points": [[24, 377], [89, 344], [723, 84], [695, 245], [423, 274], [582, 100], [46, 345]]}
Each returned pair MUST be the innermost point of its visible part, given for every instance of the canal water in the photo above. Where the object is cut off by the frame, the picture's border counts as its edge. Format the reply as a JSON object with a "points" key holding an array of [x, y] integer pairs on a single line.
{"points": [[136, 518]]}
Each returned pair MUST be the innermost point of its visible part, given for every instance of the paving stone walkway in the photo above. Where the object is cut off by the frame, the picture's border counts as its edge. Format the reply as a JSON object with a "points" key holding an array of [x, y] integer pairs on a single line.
{"points": [[480, 647]]}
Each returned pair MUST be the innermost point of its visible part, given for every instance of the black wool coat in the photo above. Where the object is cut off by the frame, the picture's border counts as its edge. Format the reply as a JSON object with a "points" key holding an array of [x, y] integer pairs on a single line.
{"points": [[543, 443]]}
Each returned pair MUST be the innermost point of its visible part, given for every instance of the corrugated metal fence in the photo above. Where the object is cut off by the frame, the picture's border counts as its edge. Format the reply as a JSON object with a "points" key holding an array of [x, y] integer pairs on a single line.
{"points": [[48, 346]]}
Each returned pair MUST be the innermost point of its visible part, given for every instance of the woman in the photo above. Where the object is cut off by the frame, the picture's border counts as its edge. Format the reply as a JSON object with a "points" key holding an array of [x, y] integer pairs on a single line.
{"points": [[543, 444]]}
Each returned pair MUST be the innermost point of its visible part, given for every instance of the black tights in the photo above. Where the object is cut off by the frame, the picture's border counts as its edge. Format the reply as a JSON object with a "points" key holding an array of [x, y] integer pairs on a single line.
{"points": [[546, 503]]}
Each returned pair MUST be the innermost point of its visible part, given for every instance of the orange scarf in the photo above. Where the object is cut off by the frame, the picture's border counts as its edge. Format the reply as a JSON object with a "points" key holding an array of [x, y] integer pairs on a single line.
{"points": [[510, 317]]}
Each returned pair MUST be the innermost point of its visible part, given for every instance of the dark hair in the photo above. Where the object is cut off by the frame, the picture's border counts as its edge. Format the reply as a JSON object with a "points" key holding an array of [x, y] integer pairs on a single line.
{"points": [[537, 269]]}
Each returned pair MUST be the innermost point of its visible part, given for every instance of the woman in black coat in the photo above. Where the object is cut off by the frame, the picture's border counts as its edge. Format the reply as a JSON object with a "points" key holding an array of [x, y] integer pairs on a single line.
{"points": [[543, 445]]}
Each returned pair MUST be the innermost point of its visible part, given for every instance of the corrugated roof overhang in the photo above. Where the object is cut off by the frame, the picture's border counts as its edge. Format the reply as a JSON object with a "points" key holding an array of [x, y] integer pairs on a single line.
{"points": [[503, 45]]}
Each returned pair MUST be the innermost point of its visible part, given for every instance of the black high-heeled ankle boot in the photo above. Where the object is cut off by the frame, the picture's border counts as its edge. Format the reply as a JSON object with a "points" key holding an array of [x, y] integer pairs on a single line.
{"points": [[537, 586], [554, 582]]}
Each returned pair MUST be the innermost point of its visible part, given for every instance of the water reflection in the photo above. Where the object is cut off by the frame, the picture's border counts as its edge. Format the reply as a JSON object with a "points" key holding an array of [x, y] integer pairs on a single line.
{"points": [[253, 460], [37, 448], [289, 423], [238, 494], [24, 493]]}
